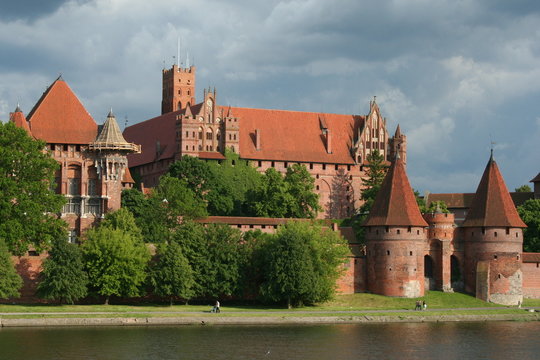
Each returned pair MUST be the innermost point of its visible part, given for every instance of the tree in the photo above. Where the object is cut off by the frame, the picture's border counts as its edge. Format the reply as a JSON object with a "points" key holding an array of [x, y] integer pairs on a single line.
{"points": [[63, 277], [27, 202], [10, 281], [215, 254], [301, 186], [271, 198], [375, 173], [123, 219], [530, 214], [171, 275], [116, 263], [303, 262], [523, 188], [196, 174], [179, 199], [232, 179]]}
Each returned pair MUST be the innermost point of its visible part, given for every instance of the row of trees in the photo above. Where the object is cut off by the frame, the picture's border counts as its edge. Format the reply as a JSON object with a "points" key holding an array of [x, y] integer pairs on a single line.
{"points": [[298, 265], [195, 188], [233, 187]]}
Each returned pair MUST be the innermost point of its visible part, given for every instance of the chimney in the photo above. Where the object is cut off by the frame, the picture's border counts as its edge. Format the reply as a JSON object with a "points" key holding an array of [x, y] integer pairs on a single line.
{"points": [[328, 142], [257, 139]]}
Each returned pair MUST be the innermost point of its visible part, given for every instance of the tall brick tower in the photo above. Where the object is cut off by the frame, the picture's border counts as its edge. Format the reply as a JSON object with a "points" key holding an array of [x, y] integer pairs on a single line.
{"points": [[395, 238], [493, 237], [398, 146], [178, 88]]}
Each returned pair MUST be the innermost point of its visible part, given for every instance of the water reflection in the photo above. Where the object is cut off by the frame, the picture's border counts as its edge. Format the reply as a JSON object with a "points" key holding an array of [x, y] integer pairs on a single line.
{"points": [[494, 340]]}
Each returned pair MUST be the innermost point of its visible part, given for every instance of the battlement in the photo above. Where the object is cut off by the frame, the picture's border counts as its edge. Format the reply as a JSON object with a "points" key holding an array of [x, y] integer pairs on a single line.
{"points": [[175, 68]]}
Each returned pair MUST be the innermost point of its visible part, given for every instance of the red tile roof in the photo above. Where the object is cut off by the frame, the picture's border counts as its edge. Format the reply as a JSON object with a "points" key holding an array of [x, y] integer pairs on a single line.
{"points": [[295, 136], [492, 204], [19, 120], [148, 133], [395, 204], [285, 135], [211, 155], [127, 178], [59, 117], [464, 200]]}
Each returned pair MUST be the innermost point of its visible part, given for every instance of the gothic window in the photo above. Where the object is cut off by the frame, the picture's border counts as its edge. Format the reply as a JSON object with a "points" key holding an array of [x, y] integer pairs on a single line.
{"points": [[209, 134], [74, 180], [200, 133]]}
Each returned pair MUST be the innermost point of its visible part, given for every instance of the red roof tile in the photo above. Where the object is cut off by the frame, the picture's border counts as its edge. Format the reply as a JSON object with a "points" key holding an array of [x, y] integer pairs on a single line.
{"points": [[19, 120], [127, 178], [59, 117], [492, 204], [211, 155], [148, 133], [464, 200], [295, 136], [395, 204]]}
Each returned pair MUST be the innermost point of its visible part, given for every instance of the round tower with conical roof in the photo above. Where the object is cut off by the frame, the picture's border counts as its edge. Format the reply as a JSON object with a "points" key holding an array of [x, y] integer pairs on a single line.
{"points": [[395, 238], [493, 239]]}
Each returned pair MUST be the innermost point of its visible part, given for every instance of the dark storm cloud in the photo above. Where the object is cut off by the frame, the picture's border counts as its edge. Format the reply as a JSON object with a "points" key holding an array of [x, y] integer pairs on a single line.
{"points": [[27, 9]]}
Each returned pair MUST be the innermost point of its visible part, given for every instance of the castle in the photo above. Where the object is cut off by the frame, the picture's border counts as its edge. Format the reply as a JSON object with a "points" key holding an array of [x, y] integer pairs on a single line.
{"points": [[93, 163], [333, 147], [406, 253]]}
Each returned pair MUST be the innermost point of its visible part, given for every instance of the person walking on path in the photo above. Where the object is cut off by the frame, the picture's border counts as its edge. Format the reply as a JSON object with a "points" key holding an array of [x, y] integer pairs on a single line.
{"points": [[216, 307], [424, 305]]}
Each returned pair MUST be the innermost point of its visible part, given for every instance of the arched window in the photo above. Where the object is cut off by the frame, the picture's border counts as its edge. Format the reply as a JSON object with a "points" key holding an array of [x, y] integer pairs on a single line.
{"points": [[179, 105], [200, 133], [209, 134], [74, 180]]}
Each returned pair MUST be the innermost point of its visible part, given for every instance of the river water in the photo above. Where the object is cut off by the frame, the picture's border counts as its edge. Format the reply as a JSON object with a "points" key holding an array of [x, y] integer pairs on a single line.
{"points": [[487, 340]]}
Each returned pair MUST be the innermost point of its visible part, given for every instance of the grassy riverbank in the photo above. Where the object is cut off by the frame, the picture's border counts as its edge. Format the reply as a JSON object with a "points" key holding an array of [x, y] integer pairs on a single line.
{"points": [[354, 305]]}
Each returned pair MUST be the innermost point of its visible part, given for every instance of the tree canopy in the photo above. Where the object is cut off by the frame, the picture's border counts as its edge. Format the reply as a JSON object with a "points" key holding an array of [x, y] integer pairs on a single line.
{"points": [[171, 275], [10, 281], [116, 263], [530, 214], [28, 205], [302, 263], [523, 188], [63, 277]]}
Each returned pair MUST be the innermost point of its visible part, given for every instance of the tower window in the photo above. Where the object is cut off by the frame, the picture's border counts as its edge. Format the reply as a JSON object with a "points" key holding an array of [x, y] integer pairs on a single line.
{"points": [[410, 253], [317, 187], [387, 252], [495, 233], [398, 231]]}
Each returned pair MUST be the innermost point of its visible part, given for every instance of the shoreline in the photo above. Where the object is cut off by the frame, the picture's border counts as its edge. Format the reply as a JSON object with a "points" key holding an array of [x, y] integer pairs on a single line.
{"points": [[261, 320]]}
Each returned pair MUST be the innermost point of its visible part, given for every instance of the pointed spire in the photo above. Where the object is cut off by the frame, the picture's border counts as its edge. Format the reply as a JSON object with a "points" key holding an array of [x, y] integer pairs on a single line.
{"points": [[18, 108], [395, 204], [110, 137], [17, 117], [492, 205], [398, 132]]}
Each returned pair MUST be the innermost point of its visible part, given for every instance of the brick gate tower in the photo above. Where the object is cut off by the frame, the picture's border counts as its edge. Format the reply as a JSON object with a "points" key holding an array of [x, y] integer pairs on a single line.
{"points": [[493, 238], [395, 238], [178, 88]]}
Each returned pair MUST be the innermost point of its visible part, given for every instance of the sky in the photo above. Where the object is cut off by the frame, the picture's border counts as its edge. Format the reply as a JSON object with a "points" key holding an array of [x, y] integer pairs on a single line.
{"points": [[457, 75]]}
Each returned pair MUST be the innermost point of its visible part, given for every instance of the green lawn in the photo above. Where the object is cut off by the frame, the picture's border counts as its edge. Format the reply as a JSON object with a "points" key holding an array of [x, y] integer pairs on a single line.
{"points": [[354, 302]]}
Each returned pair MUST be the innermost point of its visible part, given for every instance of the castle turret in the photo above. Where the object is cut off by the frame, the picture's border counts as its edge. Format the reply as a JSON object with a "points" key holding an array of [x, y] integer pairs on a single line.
{"points": [[395, 238], [440, 235], [178, 88], [111, 151], [398, 146], [493, 242], [18, 118]]}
